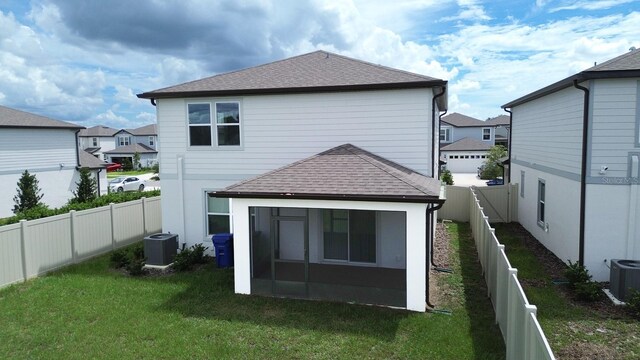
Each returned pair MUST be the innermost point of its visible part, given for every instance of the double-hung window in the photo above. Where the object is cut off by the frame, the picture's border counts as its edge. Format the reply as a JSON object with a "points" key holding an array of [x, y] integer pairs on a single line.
{"points": [[123, 140], [350, 235], [541, 202], [486, 134], [94, 142], [218, 216], [228, 123], [151, 140], [445, 134], [199, 124]]}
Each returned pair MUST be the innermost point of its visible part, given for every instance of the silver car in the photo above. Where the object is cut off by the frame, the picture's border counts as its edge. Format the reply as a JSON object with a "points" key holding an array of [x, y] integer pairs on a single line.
{"points": [[126, 183]]}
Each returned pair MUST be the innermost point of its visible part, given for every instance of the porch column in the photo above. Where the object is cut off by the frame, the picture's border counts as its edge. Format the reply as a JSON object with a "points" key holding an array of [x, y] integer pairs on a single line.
{"points": [[241, 246], [416, 260]]}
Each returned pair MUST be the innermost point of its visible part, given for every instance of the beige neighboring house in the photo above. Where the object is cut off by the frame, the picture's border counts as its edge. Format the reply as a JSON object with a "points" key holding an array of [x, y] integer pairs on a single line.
{"points": [[114, 146], [46, 148]]}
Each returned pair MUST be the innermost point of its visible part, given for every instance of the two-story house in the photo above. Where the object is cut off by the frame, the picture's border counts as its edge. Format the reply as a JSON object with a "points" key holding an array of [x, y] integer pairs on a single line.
{"points": [[465, 141], [114, 146], [575, 155], [322, 167], [46, 148]]}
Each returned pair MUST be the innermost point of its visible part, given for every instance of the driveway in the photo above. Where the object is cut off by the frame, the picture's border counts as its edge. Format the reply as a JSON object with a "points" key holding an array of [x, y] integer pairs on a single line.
{"points": [[467, 179], [150, 184]]}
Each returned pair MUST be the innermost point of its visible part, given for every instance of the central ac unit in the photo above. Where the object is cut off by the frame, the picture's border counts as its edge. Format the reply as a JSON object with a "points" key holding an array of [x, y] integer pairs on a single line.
{"points": [[625, 275]]}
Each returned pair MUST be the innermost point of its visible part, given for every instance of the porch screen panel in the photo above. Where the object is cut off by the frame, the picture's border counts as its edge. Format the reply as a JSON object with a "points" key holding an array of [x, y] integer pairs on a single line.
{"points": [[336, 234], [362, 231]]}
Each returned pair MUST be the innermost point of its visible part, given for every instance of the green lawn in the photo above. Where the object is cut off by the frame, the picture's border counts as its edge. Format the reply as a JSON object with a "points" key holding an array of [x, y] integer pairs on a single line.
{"points": [[575, 330], [90, 311]]}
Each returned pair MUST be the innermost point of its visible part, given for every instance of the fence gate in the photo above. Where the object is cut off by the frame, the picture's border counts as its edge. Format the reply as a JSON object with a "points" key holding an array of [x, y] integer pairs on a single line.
{"points": [[500, 203]]}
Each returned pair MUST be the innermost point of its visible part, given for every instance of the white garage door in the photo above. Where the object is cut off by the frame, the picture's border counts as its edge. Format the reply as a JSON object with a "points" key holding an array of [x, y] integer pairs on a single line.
{"points": [[465, 162]]}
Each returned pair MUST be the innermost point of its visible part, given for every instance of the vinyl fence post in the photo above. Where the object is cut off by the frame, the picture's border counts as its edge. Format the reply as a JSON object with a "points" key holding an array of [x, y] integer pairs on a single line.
{"points": [[23, 247], [144, 216], [113, 232], [72, 225]]}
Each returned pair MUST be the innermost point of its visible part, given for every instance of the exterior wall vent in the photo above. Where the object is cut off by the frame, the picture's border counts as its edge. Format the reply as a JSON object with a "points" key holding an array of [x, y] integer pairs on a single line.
{"points": [[624, 275]]}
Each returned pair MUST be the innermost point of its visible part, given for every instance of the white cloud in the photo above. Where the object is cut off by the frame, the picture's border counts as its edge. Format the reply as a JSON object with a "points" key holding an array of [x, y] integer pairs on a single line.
{"points": [[469, 10], [590, 5]]}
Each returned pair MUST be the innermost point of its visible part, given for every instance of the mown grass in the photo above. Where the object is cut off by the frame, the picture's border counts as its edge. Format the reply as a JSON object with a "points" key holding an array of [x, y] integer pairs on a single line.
{"points": [[115, 174], [91, 311], [575, 330]]}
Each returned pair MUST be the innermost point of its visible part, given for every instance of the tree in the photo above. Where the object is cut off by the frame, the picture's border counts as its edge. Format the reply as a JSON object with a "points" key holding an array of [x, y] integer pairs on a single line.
{"points": [[86, 189], [136, 161], [446, 177], [492, 168], [28, 196]]}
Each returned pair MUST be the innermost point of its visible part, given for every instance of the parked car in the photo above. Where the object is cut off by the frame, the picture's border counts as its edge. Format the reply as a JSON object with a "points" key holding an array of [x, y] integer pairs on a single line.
{"points": [[113, 167], [498, 181], [126, 183]]}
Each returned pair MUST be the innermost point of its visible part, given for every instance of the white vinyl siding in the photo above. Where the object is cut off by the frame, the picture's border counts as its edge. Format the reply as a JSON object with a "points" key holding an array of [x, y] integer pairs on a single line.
{"points": [[22, 149], [614, 114], [548, 131], [280, 129]]}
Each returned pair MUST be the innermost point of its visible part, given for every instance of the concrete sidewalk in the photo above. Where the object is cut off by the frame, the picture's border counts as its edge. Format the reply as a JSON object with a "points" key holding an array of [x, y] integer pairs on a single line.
{"points": [[467, 179]]}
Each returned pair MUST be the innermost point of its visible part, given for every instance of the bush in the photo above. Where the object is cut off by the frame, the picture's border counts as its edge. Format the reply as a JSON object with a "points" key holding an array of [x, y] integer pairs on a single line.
{"points": [[119, 258], [633, 302], [131, 259], [29, 195], [446, 177], [136, 267], [491, 168], [588, 291], [189, 257], [577, 274]]}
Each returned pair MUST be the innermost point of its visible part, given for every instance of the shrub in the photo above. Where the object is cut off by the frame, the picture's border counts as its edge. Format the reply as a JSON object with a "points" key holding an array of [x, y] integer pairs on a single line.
{"points": [[446, 177], [197, 254], [577, 274], [136, 267], [119, 258], [588, 291], [86, 188], [183, 260], [492, 168], [29, 195], [633, 302]]}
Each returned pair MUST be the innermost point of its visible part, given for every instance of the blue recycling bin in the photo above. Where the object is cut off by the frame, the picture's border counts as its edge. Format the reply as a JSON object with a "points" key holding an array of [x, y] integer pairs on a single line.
{"points": [[223, 244]]}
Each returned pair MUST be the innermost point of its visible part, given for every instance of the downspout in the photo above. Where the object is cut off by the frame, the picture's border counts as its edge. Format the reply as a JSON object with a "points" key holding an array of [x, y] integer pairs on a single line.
{"points": [[583, 172], [98, 180], [439, 122], [509, 145], [77, 148], [433, 130], [430, 210], [153, 101]]}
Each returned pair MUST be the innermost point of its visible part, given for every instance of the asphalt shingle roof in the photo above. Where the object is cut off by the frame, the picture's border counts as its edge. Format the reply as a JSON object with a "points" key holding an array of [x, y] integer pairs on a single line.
{"points": [[97, 131], [467, 144], [627, 61], [20, 119], [87, 160], [149, 130], [460, 120], [316, 71], [132, 149], [345, 172], [498, 120]]}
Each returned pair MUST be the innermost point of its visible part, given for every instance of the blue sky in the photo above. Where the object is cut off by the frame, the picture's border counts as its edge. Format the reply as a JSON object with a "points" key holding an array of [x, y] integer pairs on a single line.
{"points": [[84, 61]]}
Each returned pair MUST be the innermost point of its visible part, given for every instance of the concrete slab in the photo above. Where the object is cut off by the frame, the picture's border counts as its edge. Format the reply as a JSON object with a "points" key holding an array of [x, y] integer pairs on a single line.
{"points": [[467, 179]]}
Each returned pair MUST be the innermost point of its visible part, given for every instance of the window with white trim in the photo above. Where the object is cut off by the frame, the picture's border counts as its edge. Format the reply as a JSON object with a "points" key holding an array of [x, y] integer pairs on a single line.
{"points": [[124, 140], [445, 134], [228, 123], [152, 140], [541, 202], [199, 116], [349, 235], [486, 134], [94, 142], [218, 215]]}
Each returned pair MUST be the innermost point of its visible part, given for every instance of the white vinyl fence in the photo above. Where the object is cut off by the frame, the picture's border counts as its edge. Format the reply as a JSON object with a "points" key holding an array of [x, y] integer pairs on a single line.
{"points": [[523, 336], [500, 203], [31, 248]]}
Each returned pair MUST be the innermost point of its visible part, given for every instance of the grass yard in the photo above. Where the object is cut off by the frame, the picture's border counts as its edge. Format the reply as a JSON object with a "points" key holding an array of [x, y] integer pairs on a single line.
{"points": [[575, 330], [91, 311]]}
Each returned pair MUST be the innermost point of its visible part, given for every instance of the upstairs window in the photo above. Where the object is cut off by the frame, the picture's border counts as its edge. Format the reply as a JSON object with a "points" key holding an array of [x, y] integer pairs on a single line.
{"points": [[151, 140], [94, 142], [486, 134], [445, 134], [123, 140], [228, 123], [199, 124]]}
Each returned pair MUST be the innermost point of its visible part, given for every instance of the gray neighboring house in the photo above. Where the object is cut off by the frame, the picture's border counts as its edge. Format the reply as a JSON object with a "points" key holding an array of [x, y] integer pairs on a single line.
{"points": [[46, 148], [114, 146], [465, 141], [575, 154], [97, 168], [363, 212]]}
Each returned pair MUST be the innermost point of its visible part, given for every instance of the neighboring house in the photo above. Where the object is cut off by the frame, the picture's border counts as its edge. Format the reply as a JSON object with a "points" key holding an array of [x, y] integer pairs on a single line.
{"points": [[465, 141], [97, 140], [114, 146], [575, 152], [333, 163], [97, 168], [46, 148]]}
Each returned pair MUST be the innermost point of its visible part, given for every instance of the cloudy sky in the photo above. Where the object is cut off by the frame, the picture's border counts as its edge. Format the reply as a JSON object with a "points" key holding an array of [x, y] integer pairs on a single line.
{"points": [[84, 61]]}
